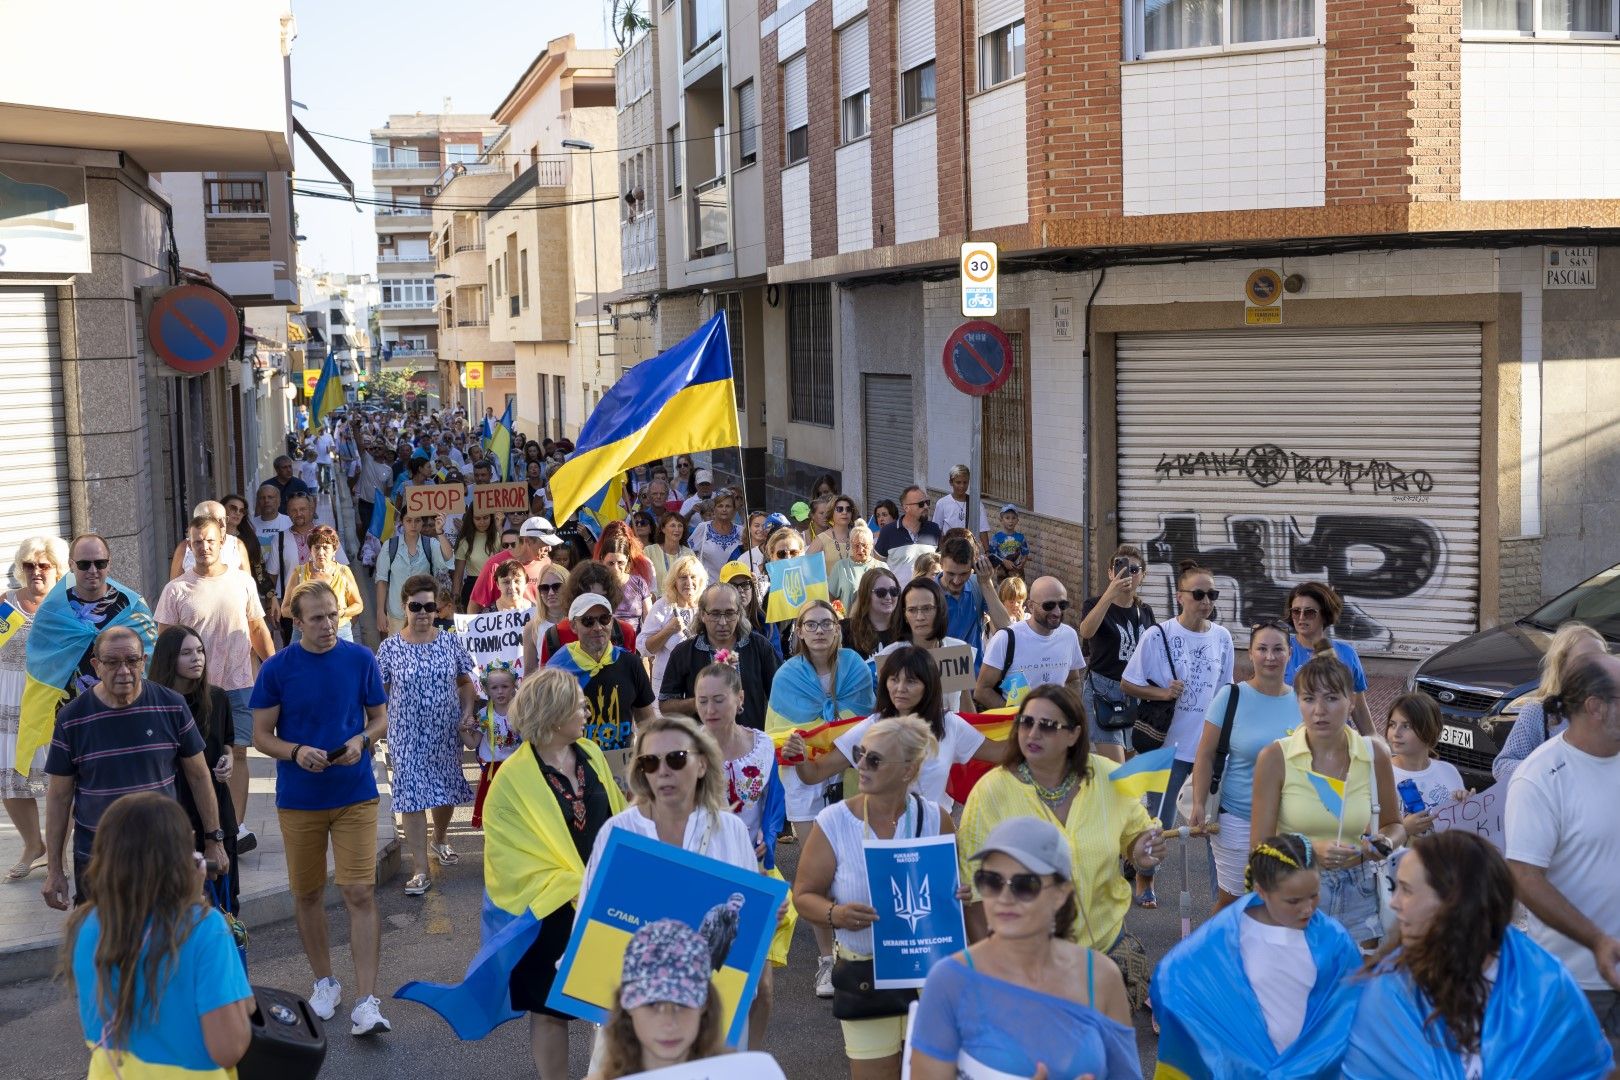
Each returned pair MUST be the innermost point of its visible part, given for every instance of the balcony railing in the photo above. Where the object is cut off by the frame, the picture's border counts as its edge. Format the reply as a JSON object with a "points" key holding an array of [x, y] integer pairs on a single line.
{"points": [[379, 162], [711, 218], [470, 245], [638, 243], [472, 321], [552, 172], [395, 257]]}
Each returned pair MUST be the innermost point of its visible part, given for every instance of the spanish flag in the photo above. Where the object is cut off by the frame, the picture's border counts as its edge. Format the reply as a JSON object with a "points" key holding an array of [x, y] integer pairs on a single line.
{"points": [[1145, 772], [328, 390], [679, 402]]}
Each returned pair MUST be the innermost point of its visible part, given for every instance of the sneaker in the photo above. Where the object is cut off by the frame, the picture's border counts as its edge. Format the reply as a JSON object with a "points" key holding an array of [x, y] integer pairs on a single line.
{"points": [[245, 840], [824, 967], [325, 997], [368, 1019]]}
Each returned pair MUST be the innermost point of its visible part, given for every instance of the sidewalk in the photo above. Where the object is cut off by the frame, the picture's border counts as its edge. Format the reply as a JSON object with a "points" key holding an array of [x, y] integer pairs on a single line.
{"points": [[30, 932]]}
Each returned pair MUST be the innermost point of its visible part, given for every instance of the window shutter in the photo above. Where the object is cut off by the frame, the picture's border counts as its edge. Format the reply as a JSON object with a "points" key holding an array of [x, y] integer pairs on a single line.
{"points": [[747, 119], [795, 94], [994, 14], [852, 59], [914, 21]]}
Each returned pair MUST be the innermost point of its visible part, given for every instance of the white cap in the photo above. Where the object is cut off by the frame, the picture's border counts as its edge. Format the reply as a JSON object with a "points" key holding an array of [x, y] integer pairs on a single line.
{"points": [[703, 476], [587, 601], [541, 529]]}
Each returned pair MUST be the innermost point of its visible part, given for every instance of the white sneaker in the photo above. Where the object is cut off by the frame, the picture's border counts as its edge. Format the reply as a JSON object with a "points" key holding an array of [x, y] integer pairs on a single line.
{"points": [[325, 997], [368, 1019], [824, 966], [245, 840]]}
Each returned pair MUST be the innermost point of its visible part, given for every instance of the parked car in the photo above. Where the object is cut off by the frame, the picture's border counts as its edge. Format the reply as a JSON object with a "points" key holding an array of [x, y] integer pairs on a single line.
{"points": [[1483, 681]]}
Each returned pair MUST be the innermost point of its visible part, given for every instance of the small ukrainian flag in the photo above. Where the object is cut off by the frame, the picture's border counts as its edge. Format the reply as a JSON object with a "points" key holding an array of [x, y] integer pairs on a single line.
{"points": [[11, 620], [1330, 791], [794, 583], [1145, 772]]}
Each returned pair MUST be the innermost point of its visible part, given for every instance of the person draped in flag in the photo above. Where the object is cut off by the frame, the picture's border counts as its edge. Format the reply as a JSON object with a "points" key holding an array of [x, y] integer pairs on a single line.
{"points": [[1336, 787]]}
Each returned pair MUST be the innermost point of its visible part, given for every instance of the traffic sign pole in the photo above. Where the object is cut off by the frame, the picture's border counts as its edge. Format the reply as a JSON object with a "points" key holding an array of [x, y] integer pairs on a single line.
{"points": [[974, 480]]}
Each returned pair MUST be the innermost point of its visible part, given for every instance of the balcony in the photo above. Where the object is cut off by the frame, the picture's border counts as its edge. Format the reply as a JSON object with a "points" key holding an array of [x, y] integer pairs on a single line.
{"points": [[711, 218], [471, 320], [468, 245], [638, 243], [402, 170], [404, 219], [395, 259]]}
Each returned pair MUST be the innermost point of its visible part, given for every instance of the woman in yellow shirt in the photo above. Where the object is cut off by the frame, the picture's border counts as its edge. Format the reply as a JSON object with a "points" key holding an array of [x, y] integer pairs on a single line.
{"points": [[1299, 778], [1050, 773], [323, 566]]}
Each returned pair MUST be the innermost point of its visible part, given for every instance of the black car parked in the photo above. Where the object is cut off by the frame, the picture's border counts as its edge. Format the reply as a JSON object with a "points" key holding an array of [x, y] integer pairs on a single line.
{"points": [[1484, 680]]}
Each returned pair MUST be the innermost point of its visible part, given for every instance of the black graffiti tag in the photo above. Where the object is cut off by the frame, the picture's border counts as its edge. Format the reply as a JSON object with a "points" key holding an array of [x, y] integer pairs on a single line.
{"points": [[1268, 465]]}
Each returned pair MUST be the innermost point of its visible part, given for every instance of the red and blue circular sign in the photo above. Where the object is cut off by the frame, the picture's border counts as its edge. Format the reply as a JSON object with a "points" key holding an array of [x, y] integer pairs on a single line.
{"points": [[193, 328], [978, 358]]}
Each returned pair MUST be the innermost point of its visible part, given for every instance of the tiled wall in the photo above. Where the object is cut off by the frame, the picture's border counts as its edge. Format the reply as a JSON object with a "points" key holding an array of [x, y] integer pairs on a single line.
{"points": [[855, 196], [796, 213], [999, 167], [916, 181], [1238, 132]]}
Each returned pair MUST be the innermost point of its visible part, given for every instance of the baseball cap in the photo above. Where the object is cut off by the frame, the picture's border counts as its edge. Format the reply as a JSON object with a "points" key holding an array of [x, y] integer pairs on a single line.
{"points": [[1038, 844], [736, 568], [540, 529], [1009, 508], [704, 476], [777, 521], [666, 960], [585, 602]]}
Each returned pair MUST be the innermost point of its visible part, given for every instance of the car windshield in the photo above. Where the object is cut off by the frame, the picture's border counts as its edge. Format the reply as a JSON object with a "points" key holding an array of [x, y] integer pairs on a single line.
{"points": [[1595, 602]]}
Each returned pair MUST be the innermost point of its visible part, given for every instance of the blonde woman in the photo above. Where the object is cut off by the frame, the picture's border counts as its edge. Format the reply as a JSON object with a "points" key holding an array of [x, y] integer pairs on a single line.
{"points": [[1534, 727], [39, 562], [231, 552], [834, 541], [552, 610], [673, 619]]}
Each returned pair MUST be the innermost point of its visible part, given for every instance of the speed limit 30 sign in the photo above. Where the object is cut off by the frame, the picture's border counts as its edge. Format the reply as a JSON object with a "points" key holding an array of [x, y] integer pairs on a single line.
{"points": [[979, 267]]}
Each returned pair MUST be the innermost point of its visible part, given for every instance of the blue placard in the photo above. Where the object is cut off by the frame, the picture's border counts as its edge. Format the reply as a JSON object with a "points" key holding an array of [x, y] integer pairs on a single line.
{"points": [[913, 885], [740, 907]]}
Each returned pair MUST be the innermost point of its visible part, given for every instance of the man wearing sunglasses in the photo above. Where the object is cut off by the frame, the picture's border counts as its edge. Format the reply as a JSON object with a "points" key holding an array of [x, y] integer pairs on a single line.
{"points": [[1039, 651], [725, 626], [93, 602], [536, 538], [617, 689], [903, 541]]}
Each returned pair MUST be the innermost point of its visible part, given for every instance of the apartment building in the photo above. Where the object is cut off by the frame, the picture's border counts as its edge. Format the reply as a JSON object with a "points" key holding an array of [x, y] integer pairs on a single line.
{"points": [[464, 287], [336, 312], [412, 155], [551, 236], [1299, 290], [692, 208], [118, 181]]}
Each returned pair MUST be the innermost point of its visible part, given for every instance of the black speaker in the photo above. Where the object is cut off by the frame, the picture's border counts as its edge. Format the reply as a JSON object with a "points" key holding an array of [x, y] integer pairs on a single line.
{"points": [[289, 1041]]}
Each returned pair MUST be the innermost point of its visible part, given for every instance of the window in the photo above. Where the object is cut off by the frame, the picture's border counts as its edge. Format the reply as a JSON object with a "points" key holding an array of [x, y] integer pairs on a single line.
{"points": [[379, 153], [492, 273], [1001, 54], [810, 362], [559, 386], [917, 91], [1005, 468], [500, 277], [463, 153], [675, 149], [731, 304], [523, 277], [704, 19], [857, 114], [234, 197], [407, 292], [747, 124], [1176, 25], [1535, 18], [795, 110], [854, 86]]}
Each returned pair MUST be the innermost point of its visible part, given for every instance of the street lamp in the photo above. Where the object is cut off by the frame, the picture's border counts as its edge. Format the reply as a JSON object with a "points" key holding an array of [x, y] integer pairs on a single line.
{"points": [[596, 285]]}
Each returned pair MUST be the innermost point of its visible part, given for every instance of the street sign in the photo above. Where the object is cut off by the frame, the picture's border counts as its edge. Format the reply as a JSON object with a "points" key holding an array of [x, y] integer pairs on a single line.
{"points": [[979, 267], [312, 379], [978, 358], [193, 328], [1262, 298], [475, 374]]}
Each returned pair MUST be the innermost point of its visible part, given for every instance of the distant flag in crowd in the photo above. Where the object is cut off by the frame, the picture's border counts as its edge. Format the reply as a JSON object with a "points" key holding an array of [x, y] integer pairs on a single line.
{"points": [[1330, 791], [498, 441], [384, 520], [328, 391], [1145, 772], [11, 620], [679, 402], [605, 506], [794, 583]]}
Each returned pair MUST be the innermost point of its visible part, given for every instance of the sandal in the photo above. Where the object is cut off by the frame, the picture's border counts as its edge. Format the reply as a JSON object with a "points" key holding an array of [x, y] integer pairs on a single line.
{"points": [[446, 854], [418, 885], [24, 868], [1146, 899]]}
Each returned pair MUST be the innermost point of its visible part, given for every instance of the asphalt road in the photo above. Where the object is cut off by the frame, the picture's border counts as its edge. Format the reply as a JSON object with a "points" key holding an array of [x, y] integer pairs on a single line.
{"points": [[433, 937]]}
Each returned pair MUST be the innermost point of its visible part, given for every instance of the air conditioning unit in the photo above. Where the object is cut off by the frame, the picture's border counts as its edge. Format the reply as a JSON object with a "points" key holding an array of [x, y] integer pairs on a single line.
{"points": [[432, 191]]}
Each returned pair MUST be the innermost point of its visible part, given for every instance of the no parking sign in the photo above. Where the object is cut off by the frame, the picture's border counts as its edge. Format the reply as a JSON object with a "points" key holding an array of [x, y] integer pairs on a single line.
{"points": [[193, 328]]}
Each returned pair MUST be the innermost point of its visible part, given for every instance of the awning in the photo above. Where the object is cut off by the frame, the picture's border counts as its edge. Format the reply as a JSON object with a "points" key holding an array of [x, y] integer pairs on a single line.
{"points": [[296, 332]]}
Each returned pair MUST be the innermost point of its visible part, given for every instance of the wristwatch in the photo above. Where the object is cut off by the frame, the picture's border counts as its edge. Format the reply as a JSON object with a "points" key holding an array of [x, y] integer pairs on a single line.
{"points": [[217, 836]]}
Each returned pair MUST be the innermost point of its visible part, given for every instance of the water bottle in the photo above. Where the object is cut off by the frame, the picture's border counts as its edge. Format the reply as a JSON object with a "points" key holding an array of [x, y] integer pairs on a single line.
{"points": [[1411, 799]]}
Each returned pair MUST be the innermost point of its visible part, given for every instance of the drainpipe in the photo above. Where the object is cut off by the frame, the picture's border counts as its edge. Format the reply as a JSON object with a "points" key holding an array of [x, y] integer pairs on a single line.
{"points": [[1085, 395]]}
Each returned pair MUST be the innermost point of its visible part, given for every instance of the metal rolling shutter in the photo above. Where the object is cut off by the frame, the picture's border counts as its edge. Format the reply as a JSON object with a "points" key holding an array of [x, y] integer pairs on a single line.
{"points": [[994, 14], [1281, 456], [914, 28], [853, 63], [795, 94], [887, 417], [33, 443]]}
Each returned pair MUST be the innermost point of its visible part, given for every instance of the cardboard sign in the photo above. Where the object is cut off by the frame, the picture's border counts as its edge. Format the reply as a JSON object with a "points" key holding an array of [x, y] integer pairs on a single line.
{"points": [[500, 498], [428, 500], [955, 668], [1480, 814]]}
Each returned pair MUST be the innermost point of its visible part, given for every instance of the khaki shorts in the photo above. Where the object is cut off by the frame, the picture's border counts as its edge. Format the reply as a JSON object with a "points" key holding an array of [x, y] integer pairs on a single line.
{"points": [[353, 832]]}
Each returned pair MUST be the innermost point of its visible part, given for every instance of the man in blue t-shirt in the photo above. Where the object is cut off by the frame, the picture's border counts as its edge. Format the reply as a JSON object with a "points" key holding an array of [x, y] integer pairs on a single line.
{"points": [[317, 708], [968, 596]]}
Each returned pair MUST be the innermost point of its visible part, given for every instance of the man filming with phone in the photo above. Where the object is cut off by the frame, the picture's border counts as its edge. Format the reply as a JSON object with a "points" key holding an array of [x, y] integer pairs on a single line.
{"points": [[318, 708]]}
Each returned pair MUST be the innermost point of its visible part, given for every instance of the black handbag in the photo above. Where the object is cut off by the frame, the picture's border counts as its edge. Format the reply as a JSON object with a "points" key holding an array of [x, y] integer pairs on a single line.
{"points": [[856, 996], [1114, 715], [1153, 718]]}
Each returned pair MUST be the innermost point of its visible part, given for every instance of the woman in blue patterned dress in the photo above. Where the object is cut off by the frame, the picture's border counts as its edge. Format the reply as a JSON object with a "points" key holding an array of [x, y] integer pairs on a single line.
{"points": [[431, 692]]}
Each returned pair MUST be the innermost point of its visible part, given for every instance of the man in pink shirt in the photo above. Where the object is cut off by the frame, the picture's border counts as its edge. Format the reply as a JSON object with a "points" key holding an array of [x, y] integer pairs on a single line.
{"points": [[536, 538]]}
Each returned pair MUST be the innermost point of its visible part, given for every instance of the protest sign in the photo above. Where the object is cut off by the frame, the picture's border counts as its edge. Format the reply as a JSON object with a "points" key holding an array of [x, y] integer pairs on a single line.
{"points": [[1480, 814], [427, 500], [913, 884], [495, 635], [755, 1065], [500, 498], [955, 668], [735, 910]]}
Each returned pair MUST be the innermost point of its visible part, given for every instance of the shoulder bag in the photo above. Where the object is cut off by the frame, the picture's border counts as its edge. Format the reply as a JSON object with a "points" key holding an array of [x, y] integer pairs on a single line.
{"points": [[855, 992], [1224, 746], [1153, 717]]}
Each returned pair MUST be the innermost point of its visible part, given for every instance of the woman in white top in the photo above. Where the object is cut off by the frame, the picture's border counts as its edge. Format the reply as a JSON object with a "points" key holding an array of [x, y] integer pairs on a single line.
{"points": [[923, 617], [831, 887], [673, 619], [551, 611], [231, 552], [908, 685]]}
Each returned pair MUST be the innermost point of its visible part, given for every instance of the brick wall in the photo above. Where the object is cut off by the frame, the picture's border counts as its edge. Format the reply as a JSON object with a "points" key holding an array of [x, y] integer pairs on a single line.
{"points": [[1520, 567], [1074, 107], [821, 76], [1370, 67], [1054, 549], [238, 239], [770, 138], [953, 66], [885, 109], [1436, 164]]}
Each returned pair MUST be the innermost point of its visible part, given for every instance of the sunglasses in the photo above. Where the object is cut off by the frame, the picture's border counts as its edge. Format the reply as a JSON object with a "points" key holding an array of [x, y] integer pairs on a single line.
{"points": [[418, 607], [1203, 594], [30, 567], [1270, 624], [113, 663], [509, 544], [780, 555], [555, 586], [1058, 605], [867, 757], [1045, 725], [85, 564], [594, 621], [843, 509], [1304, 612], [886, 594], [647, 764], [922, 504], [1024, 886]]}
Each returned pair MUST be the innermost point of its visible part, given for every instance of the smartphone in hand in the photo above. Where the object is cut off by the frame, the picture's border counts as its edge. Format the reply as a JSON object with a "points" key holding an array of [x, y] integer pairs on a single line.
{"points": [[333, 755]]}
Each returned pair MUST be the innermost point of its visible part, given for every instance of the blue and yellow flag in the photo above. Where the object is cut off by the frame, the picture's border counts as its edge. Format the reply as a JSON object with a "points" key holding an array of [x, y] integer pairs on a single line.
{"points": [[794, 583], [605, 506], [11, 620], [328, 391], [384, 520], [679, 402], [1329, 790], [498, 441], [1145, 772]]}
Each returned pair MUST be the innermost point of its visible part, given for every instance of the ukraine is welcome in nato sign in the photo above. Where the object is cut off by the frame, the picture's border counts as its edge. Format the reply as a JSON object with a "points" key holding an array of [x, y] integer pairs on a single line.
{"points": [[913, 883], [733, 909]]}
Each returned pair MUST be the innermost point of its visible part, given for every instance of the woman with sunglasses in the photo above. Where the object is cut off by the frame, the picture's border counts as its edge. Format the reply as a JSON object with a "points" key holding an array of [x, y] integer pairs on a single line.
{"points": [[1027, 1000], [673, 619], [645, 528], [831, 889], [683, 487], [845, 575], [37, 564], [238, 525], [428, 676], [671, 544], [474, 546], [1313, 607], [1110, 626], [1265, 711], [1184, 660], [873, 622], [785, 542], [552, 610], [1049, 772], [833, 541]]}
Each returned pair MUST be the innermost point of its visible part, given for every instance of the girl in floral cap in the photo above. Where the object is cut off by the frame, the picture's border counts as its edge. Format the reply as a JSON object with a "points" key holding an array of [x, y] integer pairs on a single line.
{"points": [[666, 1011]]}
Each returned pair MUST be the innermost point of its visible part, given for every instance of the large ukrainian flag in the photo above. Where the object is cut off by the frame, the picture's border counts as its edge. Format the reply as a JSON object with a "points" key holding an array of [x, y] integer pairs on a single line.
{"points": [[328, 390], [679, 402]]}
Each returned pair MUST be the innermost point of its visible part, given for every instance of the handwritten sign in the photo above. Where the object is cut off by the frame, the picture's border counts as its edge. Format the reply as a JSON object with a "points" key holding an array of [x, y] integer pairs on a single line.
{"points": [[1480, 814], [428, 500], [955, 668], [495, 635], [500, 498]]}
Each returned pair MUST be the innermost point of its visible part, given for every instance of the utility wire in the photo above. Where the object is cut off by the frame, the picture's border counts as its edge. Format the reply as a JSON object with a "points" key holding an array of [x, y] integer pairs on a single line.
{"points": [[524, 154], [440, 205]]}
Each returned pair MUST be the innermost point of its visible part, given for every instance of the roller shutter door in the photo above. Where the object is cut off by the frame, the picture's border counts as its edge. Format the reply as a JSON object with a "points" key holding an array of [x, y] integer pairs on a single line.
{"points": [[888, 420], [1283, 456], [914, 29], [33, 443]]}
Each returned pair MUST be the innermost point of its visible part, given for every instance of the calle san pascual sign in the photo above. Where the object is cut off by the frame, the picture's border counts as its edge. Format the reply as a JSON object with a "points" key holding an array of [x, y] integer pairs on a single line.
{"points": [[1569, 267]]}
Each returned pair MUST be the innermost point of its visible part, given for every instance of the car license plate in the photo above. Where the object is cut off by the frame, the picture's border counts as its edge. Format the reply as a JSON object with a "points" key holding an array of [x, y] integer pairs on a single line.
{"points": [[1456, 736]]}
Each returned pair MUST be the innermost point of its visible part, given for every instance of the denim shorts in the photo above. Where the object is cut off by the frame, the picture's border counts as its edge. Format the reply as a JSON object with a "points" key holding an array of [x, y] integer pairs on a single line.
{"points": [[1350, 896], [241, 716], [1096, 689]]}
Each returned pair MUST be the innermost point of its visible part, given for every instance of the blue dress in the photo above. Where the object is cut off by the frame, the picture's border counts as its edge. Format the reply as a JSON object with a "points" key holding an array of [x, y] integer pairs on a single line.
{"points": [[424, 710]]}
